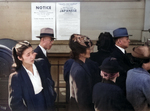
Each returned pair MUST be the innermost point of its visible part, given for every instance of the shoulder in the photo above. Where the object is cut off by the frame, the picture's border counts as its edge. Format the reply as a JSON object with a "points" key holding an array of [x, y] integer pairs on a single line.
{"points": [[40, 61], [69, 62], [37, 48], [77, 69], [14, 77], [14, 74], [97, 85]]}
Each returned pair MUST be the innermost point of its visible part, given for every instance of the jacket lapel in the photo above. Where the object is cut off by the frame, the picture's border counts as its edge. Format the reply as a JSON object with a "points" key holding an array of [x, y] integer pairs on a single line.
{"points": [[27, 83]]}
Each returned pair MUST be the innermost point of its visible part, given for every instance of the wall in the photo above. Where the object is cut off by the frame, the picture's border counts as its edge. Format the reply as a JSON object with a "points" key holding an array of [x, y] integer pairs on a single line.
{"points": [[96, 17]]}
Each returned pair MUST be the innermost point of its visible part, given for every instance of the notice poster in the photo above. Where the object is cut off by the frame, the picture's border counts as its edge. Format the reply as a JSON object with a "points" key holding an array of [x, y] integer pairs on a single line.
{"points": [[43, 15], [68, 19]]}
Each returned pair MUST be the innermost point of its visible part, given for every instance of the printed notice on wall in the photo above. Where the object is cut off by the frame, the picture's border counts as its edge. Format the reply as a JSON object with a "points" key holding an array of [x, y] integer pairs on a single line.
{"points": [[68, 19], [43, 15]]}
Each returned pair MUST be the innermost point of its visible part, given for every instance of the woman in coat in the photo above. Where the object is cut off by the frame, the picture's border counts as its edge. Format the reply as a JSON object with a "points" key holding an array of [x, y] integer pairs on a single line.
{"points": [[28, 86], [107, 96], [81, 80]]}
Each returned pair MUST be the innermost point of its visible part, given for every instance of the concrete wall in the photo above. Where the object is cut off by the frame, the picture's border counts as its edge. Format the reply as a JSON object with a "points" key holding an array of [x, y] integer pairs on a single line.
{"points": [[96, 17]]}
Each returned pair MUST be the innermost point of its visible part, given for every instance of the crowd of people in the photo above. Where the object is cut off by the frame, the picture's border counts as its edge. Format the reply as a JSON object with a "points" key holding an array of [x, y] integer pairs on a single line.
{"points": [[108, 80]]}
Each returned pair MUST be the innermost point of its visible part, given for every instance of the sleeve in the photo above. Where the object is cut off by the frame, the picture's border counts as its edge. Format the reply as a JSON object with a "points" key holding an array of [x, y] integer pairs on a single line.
{"points": [[15, 94], [67, 67]]}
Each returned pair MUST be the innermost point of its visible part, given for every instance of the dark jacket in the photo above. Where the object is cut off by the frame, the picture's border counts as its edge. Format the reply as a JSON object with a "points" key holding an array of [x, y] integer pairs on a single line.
{"points": [[124, 62], [81, 86], [21, 91], [40, 54], [107, 96], [100, 56], [67, 67], [48, 65]]}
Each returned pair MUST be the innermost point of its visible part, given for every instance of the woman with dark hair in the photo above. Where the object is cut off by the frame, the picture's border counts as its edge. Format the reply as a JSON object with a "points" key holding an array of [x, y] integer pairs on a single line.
{"points": [[28, 88], [81, 80]]}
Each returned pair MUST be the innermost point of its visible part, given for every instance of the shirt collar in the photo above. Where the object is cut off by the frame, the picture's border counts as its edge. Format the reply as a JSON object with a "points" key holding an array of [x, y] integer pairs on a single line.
{"points": [[43, 50], [34, 69], [123, 50]]}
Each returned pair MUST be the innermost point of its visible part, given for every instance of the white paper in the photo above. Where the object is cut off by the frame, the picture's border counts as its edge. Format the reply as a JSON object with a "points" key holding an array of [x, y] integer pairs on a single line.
{"points": [[43, 15], [68, 19]]}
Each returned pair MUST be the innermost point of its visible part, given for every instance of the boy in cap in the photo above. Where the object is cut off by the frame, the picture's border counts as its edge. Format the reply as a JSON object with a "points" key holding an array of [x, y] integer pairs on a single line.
{"points": [[107, 96], [46, 40], [138, 79], [121, 39]]}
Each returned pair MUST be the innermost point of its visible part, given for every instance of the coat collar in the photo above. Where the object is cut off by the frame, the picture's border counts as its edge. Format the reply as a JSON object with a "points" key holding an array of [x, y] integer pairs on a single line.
{"points": [[40, 53], [108, 81]]}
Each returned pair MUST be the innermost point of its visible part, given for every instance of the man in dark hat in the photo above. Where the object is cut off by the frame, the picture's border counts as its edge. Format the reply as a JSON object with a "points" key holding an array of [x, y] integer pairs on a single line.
{"points": [[46, 40], [121, 38], [107, 96]]}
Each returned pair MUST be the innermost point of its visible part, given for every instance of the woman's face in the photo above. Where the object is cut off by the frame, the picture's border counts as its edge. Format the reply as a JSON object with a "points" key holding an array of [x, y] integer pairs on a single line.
{"points": [[28, 56]]}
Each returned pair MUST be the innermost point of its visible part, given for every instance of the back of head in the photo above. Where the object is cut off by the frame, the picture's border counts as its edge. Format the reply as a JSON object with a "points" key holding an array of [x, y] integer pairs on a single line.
{"points": [[78, 44], [140, 55], [110, 65], [105, 42], [18, 50], [110, 68]]}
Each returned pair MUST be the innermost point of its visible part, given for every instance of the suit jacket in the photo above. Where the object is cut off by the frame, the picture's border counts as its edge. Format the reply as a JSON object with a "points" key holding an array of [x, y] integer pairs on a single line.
{"points": [[124, 62], [40, 54], [21, 92]]}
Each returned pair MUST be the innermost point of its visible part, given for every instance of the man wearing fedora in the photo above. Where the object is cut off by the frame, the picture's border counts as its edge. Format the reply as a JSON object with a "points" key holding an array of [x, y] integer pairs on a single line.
{"points": [[138, 79], [46, 41], [107, 96], [121, 39]]}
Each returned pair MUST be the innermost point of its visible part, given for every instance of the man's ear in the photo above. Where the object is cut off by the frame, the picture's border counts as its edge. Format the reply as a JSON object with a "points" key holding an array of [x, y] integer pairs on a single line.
{"points": [[19, 58]]}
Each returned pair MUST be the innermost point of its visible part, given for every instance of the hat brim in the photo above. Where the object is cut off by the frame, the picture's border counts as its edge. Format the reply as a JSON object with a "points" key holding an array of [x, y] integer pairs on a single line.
{"points": [[44, 36], [110, 69], [122, 36]]}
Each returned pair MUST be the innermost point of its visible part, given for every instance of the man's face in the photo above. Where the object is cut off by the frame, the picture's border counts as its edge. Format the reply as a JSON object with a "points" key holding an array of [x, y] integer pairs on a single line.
{"points": [[48, 42], [124, 42]]}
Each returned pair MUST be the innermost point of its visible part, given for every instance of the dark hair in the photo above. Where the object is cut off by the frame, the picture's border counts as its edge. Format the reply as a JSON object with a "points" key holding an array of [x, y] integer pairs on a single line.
{"points": [[18, 51], [115, 39], [105, 42], [76, 47]]}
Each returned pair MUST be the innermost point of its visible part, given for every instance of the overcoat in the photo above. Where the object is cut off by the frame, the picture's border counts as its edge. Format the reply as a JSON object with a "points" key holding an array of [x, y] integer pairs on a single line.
{"points": [[21, 92], [107, 96], [81, 86]]}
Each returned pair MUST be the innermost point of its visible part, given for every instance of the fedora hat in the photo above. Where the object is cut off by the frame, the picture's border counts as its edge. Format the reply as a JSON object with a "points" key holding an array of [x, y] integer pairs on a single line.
{"points": [[120, 32], [46, 32], [142, 52], [110, 65]]}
